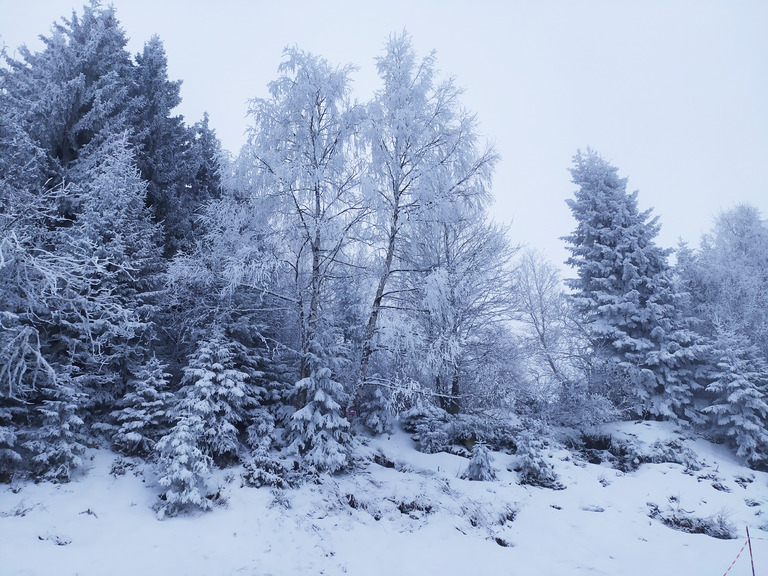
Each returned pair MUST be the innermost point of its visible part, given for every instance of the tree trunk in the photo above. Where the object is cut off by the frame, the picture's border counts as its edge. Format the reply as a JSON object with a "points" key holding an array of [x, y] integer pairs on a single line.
{"points": [[370, 328], [453, 401]]}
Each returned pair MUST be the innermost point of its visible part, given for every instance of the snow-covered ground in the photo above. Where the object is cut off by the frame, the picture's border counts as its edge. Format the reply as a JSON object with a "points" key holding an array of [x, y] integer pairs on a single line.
{"points": [[401, 513]]}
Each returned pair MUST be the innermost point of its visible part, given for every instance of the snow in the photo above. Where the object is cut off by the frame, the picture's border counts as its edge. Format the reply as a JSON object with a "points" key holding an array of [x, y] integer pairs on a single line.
{"points": [[409, 514]]}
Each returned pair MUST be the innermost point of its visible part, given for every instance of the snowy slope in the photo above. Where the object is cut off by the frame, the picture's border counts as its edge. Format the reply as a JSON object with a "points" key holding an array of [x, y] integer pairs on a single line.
{"points": [[401, 513]]}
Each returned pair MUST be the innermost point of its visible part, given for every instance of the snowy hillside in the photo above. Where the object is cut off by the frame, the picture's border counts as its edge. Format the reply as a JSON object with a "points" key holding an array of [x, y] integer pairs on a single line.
{"points": [[403, 512]]}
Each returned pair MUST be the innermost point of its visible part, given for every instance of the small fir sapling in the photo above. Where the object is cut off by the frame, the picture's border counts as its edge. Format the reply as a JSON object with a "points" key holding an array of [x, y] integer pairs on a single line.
{"points": [[319, 433], [264, 470], [376, 411], [143, 414], [531, 466], [217, 389], [184, 468], [480, 465]]}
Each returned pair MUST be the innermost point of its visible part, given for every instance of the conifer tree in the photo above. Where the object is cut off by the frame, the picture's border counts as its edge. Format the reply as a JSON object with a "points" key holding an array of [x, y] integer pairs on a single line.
{"points": [[76, 91], [319, 432], [142, 416], [727, 276], [625, 294], [738, 388], [54, 440], [184, 467], [105, 317], [167, 157], [480, 466], [217, 390]]}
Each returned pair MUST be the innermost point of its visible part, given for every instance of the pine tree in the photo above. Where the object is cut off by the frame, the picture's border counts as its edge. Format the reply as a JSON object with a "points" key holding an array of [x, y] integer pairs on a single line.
{"points": [[625, 294], [205, 159], [10, 458], [215, 398]]}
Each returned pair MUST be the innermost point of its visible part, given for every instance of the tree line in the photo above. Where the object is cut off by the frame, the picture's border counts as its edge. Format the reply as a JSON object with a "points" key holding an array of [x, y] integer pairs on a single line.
{"points": [[341, 272]]}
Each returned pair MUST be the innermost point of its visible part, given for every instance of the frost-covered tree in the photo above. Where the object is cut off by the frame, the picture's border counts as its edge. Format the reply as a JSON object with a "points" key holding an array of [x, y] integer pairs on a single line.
{"points": [[299, 176], [84, 88], [318, 431], [54, 440], [726, 278], [184, 468], [142, 416], [532, 467], [541, 306], [79, 300], [10, 458], [217, 400], [217, 389], [458, 295], [29, 275], [105, 320], [554, 380], [738, 389], [625, 293], [425, 163], [40, 416], [480, 466], [75, 91], [175, 160]]}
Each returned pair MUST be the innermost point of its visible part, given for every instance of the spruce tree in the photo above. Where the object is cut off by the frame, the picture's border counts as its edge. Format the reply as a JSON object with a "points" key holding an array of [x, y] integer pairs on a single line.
{"points": [[184, 468], [480, 466], [217, 389], [167, 158], [738, 389], [727, 276], [319, 433], [74, 92], [105, 318], [142, 415], [625, 293]]}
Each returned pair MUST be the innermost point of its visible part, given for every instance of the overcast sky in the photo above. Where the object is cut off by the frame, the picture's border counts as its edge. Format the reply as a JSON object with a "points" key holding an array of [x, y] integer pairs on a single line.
{"points": [[674, 93]]}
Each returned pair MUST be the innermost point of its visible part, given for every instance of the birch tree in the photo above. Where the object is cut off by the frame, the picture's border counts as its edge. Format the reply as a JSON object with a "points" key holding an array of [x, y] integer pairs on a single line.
{"points": [[425, 161], [298, 171], [299, 178]]}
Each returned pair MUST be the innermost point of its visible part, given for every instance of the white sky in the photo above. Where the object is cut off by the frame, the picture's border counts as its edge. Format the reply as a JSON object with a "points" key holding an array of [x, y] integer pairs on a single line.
{"points": [[674, 93]]}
